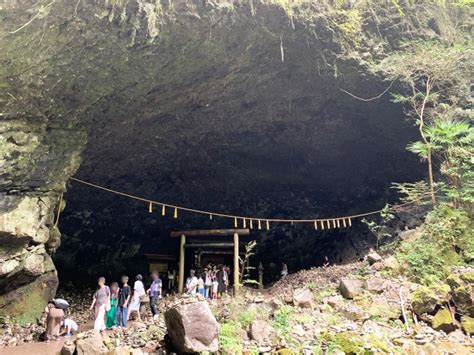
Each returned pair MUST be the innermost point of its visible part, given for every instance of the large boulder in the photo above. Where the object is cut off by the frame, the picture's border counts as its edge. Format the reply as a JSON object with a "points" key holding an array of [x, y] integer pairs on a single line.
{"points": [[350, 288], [375, 284], [28, 277], [260, 331], [192, 328], [467, 324], [303, 298], [373, 257], [424, 300], [68, 348], [462, 290], [443, 320], [90, 343], [391, 263]]}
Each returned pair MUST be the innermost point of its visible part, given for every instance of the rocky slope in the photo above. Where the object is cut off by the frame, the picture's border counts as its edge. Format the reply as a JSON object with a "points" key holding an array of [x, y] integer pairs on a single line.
{"points": [[354, 308], [229, 105]]}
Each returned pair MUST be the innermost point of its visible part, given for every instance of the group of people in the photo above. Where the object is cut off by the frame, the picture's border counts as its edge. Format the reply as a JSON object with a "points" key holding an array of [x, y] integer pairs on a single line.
{"points": [[113, 305], [56, 323], [211, 283]]}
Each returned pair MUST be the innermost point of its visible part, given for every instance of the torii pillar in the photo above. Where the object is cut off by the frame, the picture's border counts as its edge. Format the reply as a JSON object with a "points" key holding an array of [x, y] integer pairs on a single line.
{"points": [[182, 250]]}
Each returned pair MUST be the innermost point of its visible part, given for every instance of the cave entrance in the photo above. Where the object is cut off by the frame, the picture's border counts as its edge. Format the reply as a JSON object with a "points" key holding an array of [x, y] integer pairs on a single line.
{"points": [[212, 249]]}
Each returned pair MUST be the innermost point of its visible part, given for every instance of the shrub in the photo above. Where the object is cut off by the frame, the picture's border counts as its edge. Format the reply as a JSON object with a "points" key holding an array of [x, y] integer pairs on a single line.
{"points": [[229, 337], [446, 240]]}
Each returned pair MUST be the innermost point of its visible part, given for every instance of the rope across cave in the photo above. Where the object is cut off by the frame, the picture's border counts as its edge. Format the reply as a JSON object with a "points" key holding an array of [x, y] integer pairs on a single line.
{"points": [[319, 223]]}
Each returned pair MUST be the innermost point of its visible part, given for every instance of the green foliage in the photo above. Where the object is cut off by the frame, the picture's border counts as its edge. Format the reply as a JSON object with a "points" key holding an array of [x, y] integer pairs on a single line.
{"points": [[281, 319], [380, 231], [413, 192], [323, 293], [229, 337], [248, 315], [349, 343], [244, 264], [446, 240]]}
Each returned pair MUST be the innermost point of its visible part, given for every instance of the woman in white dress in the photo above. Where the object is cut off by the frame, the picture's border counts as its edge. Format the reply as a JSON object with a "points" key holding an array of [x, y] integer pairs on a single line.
{"points": [[138, 291]]}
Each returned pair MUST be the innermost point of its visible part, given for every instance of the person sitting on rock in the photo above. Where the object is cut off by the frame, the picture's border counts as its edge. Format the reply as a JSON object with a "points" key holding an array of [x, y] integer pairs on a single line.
{"points": [[68, 327], [53, 321], [191, 284]]}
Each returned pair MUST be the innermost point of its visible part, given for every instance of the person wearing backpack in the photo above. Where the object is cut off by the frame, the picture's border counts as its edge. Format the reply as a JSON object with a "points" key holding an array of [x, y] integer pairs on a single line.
{"points": [[53, 321], [101, 304]]}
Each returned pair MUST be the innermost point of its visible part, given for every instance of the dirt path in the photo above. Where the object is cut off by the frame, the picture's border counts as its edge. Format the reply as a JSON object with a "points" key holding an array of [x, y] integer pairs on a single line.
{"points": [[43, 348]]}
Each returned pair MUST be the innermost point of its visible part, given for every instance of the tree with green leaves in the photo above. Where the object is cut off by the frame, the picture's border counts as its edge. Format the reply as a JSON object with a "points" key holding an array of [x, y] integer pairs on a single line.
{"points": [[437, 77]]}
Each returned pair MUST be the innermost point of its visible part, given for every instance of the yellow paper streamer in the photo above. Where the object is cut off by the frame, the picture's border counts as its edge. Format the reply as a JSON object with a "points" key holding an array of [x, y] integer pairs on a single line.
{"points": [[259, 224], [245, 223], [251, 224], [163, 210], [150, 208], [175, 215], [268, 225], [322, 225], [350, 222], [344, 222], [316, 225], [210, 216], [329, 224], [334, 223], [235, 223], [338, 224]]}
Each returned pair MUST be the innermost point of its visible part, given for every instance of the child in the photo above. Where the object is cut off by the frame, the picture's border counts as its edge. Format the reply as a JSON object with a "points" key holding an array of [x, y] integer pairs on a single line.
{"points": [[68, 326], [200, 285], [124, 299], [215, 286]]}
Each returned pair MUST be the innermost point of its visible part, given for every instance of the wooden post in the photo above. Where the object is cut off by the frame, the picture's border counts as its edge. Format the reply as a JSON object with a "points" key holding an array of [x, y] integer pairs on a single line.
{"points": [[182, 250], [236, 264], [260, 276]]}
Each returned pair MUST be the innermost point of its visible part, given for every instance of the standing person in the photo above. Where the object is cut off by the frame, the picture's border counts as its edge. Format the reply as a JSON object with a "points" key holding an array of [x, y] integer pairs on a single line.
{"points": [[101, 304], [191, 284], [171, 280], [221, 279], [200, 285], [138, 291], [111, 317], [284, 270], [53, 321], [226, 278], [207, 282], [123, 300], [215, 287], [155, 292]]}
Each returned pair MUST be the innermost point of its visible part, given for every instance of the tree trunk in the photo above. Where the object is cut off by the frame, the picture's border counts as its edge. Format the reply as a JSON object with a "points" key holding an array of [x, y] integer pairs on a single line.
{"points": [[430, 176]]}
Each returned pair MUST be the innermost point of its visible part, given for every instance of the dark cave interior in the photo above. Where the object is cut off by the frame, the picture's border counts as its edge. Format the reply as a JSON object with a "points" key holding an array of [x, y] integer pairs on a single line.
{"points": [[240, 112]]}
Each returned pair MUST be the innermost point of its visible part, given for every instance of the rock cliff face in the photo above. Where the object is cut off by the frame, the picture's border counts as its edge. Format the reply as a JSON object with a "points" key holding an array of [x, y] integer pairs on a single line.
{"points": [[235, 106]]}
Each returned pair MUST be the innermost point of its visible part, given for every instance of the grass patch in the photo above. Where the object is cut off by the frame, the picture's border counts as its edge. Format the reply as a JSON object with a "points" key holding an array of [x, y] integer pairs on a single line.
{"points": [[446, 240], [229, 337]]}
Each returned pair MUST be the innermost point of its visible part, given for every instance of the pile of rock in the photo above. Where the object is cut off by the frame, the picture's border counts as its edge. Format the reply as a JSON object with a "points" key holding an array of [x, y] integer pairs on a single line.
{"points": [[14, 334], [450, 306]]}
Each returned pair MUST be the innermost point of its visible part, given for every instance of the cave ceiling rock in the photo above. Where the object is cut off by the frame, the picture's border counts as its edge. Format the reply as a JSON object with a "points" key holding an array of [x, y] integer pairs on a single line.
{"points": [[136, 71]]}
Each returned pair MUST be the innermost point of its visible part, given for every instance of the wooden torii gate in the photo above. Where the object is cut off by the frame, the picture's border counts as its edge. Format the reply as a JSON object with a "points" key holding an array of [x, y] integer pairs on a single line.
{"points": [[209, 233]]}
